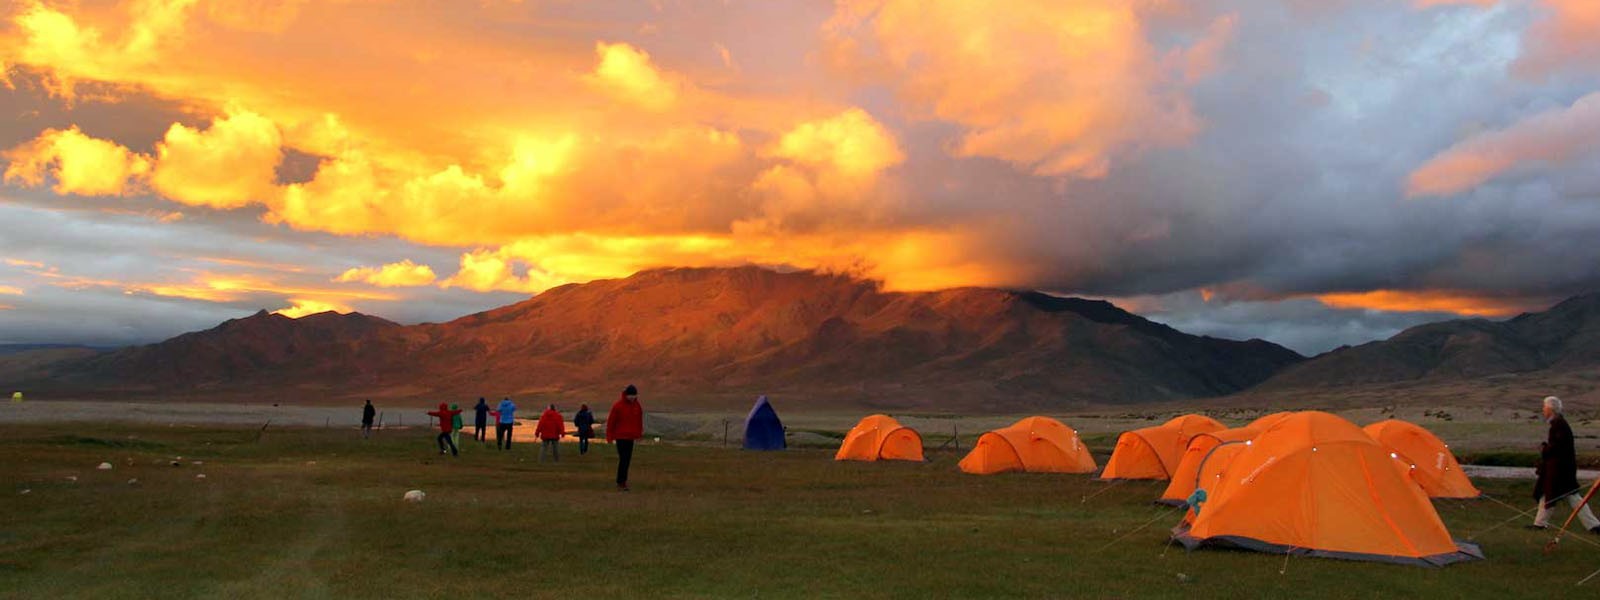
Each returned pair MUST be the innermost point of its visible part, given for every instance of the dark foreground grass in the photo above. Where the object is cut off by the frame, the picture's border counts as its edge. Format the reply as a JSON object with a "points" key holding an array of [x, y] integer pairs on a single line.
{"points": [[318, 513]]}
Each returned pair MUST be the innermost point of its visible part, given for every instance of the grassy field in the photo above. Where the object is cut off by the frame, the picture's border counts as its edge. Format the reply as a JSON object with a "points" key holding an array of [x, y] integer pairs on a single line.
{"points": [[318, 513]]}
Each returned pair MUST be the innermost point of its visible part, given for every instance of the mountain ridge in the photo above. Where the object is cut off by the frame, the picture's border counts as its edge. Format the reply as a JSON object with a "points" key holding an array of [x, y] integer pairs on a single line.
{"points": [[706, 331]]}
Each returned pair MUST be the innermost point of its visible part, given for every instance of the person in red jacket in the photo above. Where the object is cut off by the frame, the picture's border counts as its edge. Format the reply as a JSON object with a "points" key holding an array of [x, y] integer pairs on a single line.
{"points": [[446, 427], [551, 428], [624, 425]]}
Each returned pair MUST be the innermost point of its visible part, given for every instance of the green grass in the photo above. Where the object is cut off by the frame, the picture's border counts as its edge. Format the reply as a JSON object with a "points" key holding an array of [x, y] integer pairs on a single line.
{"points": [[317, 513]]}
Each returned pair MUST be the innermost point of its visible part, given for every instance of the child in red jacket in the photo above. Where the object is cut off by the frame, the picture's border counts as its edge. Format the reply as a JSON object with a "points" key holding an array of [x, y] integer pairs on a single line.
{"points": [[446, 427], [551, 428], [624, 425]]}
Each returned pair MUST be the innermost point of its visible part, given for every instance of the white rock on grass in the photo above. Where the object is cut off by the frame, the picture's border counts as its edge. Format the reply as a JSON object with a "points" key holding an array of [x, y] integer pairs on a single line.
{"points": [[200, 476], [105, 466], [134, 481], [415, 496]]}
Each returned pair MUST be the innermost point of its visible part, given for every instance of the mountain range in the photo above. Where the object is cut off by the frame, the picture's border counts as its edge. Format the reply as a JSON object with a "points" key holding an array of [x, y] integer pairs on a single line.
{"points": [[831, 339], [689, 332]]}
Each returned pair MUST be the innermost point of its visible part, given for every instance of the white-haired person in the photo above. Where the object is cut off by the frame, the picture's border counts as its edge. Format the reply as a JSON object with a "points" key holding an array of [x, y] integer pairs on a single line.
{"points": [[1558, 471]]}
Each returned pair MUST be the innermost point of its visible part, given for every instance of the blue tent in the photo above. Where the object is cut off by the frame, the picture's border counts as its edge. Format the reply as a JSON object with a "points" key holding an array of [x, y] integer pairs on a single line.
{"points": [[762, 429]]}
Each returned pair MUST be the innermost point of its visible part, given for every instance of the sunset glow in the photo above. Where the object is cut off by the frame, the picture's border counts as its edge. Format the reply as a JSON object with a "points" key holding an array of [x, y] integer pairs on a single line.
{"points": [[379, 155]]}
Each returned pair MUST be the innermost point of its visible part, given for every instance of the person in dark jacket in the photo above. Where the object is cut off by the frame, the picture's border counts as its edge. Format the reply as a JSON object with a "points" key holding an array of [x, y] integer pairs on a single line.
{"points": [[1558, 471], [367, 413], [624, 425], [445, 416], [584, 421], [480, 420]]}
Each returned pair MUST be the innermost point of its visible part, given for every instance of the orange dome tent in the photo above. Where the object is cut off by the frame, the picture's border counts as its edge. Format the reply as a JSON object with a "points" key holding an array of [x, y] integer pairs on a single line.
{"points": [[1424, 458], [1200, 448], [1314, 484], [1154, 452], [880, 437], [1034, 444], [1264, 421]]}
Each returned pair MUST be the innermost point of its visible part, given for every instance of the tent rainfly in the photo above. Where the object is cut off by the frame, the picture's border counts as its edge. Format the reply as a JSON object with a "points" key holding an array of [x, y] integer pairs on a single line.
{"points": [[880, 437], [1424, 458], [1154, 452], [762, 429], [1034, 445], [1314, 484]]}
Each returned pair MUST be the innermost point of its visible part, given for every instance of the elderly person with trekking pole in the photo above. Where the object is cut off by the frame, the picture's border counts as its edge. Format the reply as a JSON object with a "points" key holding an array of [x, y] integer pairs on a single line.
{"points": [[1558, 471]]}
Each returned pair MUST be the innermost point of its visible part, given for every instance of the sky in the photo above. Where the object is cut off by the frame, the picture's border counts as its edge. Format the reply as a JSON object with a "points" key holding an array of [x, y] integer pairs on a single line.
{"points": [[1310, 172]]}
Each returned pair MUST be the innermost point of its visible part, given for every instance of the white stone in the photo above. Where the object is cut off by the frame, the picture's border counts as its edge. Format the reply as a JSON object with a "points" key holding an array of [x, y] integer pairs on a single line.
{"points": [[105, 466], [415, 496]]}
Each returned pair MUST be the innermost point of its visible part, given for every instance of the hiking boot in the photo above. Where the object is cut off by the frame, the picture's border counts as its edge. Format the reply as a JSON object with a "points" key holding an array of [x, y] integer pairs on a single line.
{"points": [[1536, 527], [1595, 530]]}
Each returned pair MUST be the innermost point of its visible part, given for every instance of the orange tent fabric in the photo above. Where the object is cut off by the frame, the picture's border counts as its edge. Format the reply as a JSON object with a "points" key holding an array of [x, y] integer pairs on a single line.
{"points": [[880, 437], [1424, 458], [1154, 452], [1200, 448], [1034, 444], [1315, 484], [1265, 421]]}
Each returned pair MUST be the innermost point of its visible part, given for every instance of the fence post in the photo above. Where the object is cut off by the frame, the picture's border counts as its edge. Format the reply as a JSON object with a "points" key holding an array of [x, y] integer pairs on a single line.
{"points": [[724, 432]]}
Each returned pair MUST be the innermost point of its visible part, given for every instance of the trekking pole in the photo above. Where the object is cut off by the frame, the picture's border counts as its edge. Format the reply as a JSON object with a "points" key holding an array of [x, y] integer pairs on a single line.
{"points": [[1556, 543]]}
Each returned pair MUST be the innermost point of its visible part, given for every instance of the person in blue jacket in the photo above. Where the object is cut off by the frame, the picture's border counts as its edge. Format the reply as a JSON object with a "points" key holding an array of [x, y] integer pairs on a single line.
{"points": [[506, 418]]}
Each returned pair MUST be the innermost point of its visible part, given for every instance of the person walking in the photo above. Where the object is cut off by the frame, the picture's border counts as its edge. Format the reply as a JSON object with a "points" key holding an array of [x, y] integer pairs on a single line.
{"points": [[624, 425], [455, 424], [505, 418], [1558, 471], [367, 413], [551, 428], [445, 416], [480, 419], [584, 421]]}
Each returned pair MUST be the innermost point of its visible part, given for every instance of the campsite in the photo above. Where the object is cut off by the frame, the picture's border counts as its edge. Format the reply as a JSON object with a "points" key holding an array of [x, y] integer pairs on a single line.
{"points": [[311, 510], [807, 299]]}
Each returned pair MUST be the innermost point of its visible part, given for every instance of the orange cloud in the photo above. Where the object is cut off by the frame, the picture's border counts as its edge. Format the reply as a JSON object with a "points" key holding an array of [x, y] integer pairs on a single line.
{"points": [[227, 166], [17, 262], [1426, 301], [627, 74], [549, 159], [301, 307], [79, 164], [10, 290], [1066, 87], [401, 274], [1549, 137], [914, 260]]}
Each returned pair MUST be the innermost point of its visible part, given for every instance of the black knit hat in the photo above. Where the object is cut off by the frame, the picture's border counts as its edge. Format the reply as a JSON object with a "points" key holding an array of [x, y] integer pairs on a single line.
{"points": [[631, 391]]}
